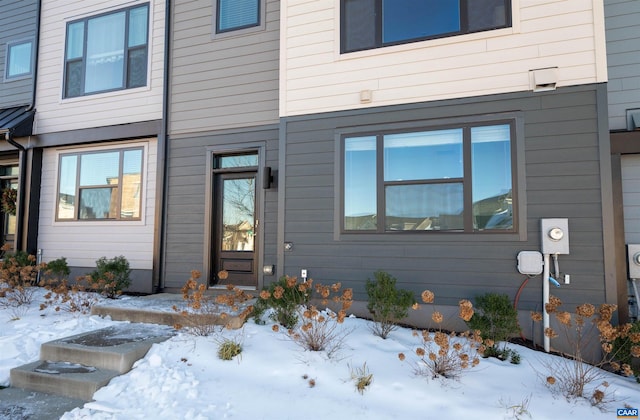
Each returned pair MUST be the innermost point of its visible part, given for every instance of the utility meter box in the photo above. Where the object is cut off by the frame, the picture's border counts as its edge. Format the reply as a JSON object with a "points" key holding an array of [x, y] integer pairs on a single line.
{"points": [[633, 255], [530, 263], [555, 236]]}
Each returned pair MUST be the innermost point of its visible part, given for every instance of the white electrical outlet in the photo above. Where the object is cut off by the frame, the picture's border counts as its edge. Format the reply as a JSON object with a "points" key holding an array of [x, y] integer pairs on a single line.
{"points": [[567, 279], [303, 273]]}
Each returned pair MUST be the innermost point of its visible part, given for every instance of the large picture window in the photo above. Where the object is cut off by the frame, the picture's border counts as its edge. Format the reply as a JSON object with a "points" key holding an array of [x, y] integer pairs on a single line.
{"points": [[107, 52], [368, 24], [451, 179], [101, 185], [19, 59]]}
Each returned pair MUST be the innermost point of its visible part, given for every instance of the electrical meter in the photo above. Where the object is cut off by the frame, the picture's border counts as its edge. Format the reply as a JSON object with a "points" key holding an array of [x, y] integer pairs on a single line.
{"points": [[554, 236]]}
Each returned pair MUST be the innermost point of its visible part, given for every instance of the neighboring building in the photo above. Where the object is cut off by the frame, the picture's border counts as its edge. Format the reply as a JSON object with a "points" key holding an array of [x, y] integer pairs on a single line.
{"points": [[18, 45], [99, 101], [623, 54]]}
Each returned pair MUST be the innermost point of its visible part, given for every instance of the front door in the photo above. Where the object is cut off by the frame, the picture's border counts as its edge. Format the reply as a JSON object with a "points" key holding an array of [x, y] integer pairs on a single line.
{"points": [[235, 224]]}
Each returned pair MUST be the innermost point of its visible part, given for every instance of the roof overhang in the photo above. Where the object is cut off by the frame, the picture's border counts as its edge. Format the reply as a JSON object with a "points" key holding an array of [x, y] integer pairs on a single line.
{"points": [[17, 120]]}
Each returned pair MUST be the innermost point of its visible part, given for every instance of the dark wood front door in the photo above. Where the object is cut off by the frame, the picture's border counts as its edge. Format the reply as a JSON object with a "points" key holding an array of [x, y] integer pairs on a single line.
{"points": [[235, 227]]}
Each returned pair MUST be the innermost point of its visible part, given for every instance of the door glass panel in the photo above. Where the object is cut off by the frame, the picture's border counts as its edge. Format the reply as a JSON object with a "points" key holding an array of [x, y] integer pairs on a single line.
{"points": [[10, 219], [237, 161], [238, 214]]}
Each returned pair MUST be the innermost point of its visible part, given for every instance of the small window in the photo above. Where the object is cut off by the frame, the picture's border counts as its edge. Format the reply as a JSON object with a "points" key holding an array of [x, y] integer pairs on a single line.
{"points": [[19, 59], [452, 179], [104, 185], [368, 24], [232, 15], [107, 52]]}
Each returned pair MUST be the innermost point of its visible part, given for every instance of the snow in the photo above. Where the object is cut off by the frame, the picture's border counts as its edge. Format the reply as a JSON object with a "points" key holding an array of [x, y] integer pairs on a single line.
{"points": [[274, 378]]}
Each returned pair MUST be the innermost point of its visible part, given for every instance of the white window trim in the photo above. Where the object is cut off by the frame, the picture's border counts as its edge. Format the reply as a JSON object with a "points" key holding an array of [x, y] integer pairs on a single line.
{"points": [[145, 184]]}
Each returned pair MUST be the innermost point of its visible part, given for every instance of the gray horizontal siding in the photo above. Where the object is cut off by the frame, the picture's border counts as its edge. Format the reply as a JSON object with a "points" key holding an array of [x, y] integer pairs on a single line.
{"points": [[186, 192], [18, 22], [562, 176], [222, 82], [622, 22]]}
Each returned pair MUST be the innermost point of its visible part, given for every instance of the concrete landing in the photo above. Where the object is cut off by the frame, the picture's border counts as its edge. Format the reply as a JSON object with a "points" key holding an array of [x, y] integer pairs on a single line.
{"points": [[159, 309], [79, 365], [20, 404]]}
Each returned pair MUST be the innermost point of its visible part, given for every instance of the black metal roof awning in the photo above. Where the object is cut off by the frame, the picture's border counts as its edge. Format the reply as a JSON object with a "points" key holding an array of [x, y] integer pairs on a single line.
{"points": [[17, 120]]}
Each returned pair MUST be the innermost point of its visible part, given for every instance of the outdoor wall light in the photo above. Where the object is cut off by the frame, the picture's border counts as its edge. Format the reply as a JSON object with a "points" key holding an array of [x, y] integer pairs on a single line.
{"points": [[268, 270], [288, 246]]}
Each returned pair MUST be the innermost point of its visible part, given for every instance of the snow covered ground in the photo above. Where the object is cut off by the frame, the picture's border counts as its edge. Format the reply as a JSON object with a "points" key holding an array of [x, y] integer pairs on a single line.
{"points": [[274, 378]]}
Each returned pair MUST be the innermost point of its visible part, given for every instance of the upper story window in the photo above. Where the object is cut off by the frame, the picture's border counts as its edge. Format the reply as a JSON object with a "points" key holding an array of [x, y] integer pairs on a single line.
{"points": [[457, 178], [100, 185], [107, 52], [19, 59], [368, 24], [233, 15]]}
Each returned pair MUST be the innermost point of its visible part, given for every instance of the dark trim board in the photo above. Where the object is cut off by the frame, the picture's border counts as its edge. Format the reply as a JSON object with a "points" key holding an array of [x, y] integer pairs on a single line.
{"points": [[91, 135]]}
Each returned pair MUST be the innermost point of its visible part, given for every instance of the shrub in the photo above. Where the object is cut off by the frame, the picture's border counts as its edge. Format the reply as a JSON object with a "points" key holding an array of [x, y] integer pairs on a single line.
{"points": [[361, 377], [111, 276], [497, 319], [574, 376], [62, 296], [18, 275], [446, 354], [206, 313], [57, 268], [319, 330], [387, 304], [229, 348], [625, 348], [284, 297]]}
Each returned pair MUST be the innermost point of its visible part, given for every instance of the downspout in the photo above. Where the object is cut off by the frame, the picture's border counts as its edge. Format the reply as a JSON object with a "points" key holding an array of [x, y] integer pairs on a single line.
{"points": [[161, 174]]}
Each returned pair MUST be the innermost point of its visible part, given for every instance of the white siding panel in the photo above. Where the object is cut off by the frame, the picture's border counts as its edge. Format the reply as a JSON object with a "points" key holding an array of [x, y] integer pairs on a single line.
{"points": [[315, 77], [82, 243], [120, 107]]}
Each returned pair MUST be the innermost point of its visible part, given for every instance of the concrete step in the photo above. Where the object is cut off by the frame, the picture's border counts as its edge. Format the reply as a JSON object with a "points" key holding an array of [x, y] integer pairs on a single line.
{"points": [[113, 348], [43, 376], [79, 365]]}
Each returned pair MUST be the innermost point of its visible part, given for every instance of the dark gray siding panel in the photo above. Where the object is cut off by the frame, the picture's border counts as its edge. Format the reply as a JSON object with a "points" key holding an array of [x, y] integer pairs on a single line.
{"points": [[560, 168], [185, 234], [18, 22]]}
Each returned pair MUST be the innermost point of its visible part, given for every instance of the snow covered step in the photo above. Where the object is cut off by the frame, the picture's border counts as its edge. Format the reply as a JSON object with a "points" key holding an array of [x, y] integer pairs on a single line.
{"points": [[113, 348], [53, 378], [79, 365]]}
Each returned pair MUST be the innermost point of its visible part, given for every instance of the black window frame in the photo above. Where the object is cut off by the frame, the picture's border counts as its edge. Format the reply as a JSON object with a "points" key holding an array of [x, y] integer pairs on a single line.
{"points": [[79, 188], [466, 180], [216, 23], [378, 4], [127, 50], [16, 43]]}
